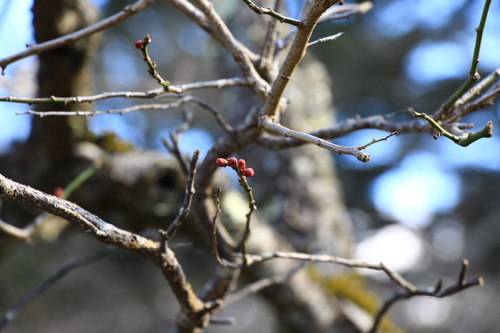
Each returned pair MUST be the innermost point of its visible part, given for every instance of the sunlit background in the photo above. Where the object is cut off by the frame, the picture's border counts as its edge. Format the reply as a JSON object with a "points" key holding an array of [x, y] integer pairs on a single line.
{"points": [[415, 184]]}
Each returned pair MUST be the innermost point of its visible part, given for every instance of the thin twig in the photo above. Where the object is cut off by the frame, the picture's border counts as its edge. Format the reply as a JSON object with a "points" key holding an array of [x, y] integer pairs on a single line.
{"points": [[199, 18], [345, 11], [257, 286], [326, 39], [223, 35], [436, 291], [181, 99], [173, 148], [173, 145], [377, 140], [73, 37], [484, 101], [474, 76], [269, 11], [293, 58], [155, 93], [469, 138], [43, 286], [251, 204], [268, 49], [288, 133], [476, 90], [186, 205], [123, 111], [221, 261]]}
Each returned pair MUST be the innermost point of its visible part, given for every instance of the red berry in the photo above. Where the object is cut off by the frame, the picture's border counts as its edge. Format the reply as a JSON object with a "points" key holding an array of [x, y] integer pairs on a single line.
{"points": [[242, 164], [221, 162], [232, 162], [139, 44], [248, 172]]}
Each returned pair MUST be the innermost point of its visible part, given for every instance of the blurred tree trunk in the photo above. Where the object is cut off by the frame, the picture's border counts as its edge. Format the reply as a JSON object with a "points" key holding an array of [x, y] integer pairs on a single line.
{"points": [[65, 71]]}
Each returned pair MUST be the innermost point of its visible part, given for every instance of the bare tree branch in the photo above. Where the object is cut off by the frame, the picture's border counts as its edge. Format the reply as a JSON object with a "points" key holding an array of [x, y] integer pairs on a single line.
{"points": [[71, 38], [155, 93], [269, 11], [186, 205], [326, 39], [277, 128], [346, 11], [436, 291], [297, 52], [376, 140], [180, 100]]}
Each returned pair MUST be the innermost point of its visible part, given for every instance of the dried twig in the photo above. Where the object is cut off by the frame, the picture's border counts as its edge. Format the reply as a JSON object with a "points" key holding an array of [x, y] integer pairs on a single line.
{"points": [[65, 269], [73, 37]]}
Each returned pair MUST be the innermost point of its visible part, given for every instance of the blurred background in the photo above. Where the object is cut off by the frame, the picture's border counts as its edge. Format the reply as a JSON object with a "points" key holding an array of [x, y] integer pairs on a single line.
{"points": [[419, 206]]}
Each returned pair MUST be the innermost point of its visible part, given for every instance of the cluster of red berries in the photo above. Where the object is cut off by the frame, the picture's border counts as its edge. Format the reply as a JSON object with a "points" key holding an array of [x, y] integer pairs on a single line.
{"points": [[235, 164]]}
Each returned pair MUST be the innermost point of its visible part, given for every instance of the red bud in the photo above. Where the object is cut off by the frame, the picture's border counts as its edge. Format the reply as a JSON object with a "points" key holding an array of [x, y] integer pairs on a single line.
{"points": [[242, 164], [139, 44], [248, 172], [221, 162], [232, 162]]}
